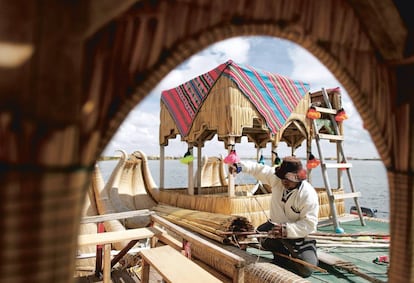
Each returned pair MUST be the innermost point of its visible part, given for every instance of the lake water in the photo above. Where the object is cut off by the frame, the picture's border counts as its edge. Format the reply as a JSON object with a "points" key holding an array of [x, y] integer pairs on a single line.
{"points": [[369, 178]]}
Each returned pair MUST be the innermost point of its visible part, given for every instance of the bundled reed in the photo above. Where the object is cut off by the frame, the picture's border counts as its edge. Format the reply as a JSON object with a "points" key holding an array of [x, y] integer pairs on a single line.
{"points": [[325, 208], [89, 209], [211, 225], [104, 201], [254, 208]]}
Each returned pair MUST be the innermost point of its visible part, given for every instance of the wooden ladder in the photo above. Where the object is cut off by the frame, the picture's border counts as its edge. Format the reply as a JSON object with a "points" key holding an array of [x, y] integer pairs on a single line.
{"points": [[342, 163]]}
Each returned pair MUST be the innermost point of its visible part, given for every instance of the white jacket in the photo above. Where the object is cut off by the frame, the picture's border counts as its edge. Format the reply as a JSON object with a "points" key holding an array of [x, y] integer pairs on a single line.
{"points": [[300, 212]]}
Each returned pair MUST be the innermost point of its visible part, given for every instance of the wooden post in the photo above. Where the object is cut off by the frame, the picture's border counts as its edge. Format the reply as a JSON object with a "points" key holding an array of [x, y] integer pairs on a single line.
{"points": [[190, 188], [98, 261], [308, 152], [339, 171], [145, 271], [199, 165], [107, 264], [162, 166], [231, 186]]}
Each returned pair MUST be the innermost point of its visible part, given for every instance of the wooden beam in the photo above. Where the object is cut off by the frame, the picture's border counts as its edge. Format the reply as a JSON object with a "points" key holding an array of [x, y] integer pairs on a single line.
{"points": [[116, 216], [117, 236]]}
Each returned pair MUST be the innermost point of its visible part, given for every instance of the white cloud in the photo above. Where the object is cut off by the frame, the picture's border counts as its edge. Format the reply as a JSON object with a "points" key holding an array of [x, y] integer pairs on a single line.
{"points": [[308, 68], [140, 129]]}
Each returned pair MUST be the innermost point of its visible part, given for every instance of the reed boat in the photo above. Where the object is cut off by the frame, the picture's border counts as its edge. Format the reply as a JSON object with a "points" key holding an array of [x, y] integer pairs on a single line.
{"points": [[361, 254], [213, 205]]}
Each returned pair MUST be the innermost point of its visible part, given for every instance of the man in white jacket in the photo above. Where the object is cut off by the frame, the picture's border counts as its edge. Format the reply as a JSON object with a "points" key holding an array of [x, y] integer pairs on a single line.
{"points": [[293, 212]]}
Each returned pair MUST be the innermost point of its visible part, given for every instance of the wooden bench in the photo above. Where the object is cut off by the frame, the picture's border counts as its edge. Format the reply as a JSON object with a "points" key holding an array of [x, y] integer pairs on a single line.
{"points": [[173, 266], [99, 220], [107, 238], [227, 259]]}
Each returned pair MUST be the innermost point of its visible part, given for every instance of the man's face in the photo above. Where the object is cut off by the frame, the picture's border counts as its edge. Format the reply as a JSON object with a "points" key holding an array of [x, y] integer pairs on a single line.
{"points": [[289, 184]]}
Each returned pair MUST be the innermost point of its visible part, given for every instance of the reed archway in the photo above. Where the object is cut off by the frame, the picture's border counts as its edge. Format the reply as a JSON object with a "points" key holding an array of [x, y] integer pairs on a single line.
{"points": [[86, 64]]}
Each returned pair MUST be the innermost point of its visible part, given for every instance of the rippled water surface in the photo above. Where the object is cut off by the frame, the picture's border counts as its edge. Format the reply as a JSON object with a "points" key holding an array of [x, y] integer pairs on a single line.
{"points": [[369, 177]]}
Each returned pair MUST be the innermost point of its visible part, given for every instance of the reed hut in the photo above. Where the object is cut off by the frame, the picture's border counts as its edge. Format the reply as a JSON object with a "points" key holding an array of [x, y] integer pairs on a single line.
{"points": [[232, 101]]}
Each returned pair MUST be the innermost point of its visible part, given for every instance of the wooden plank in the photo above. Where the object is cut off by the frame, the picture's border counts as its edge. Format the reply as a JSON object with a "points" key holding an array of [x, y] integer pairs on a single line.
{"points": [[175, 267], [347, 195], [117, 236], [325, 110], [331, 137], [338, 165], [235, 260], [107, 264], [116, 216], [170, 240]]}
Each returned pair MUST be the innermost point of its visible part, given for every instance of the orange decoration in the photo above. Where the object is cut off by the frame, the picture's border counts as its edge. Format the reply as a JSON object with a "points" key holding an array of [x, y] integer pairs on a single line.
{"points": [[313, 114], [341, 115], [312, 162]]}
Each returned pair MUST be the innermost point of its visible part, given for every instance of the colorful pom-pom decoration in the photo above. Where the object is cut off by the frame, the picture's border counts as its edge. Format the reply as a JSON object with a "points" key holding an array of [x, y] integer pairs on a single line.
{"points": [[302, 174], [312, 162], [277, 161], [261, 160], [343, 169], [232, 157], [188, 157], [341, 115], [313, 114]]}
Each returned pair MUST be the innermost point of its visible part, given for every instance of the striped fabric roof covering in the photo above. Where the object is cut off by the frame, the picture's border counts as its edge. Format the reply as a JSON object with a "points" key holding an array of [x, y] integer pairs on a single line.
{"points": [[273, 95]]}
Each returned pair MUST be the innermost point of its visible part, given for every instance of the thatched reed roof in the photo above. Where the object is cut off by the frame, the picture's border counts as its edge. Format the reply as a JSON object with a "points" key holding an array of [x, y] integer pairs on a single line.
{"points": [[233, 100]]}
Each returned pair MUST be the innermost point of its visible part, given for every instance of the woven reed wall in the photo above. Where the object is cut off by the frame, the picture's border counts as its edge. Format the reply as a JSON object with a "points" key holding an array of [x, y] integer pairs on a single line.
{"points": [[254, 208], [45, 180], [324, 206]]}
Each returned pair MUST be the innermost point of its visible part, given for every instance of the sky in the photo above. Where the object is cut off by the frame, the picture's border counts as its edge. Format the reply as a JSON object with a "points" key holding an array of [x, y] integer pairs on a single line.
{"points": [[140, 130]]}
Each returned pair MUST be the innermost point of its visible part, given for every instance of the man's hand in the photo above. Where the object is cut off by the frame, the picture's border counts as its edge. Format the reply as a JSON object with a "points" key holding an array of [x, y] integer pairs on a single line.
{"points": [[278, 231], [235, 168]]}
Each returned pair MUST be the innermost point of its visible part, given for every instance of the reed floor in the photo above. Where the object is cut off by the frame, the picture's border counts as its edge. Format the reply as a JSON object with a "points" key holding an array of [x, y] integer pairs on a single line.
{"points": [[361, 257]]}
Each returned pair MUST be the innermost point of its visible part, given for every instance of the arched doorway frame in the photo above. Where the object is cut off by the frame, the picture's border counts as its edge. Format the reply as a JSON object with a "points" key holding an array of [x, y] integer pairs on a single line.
{"points": [[356, 90]]}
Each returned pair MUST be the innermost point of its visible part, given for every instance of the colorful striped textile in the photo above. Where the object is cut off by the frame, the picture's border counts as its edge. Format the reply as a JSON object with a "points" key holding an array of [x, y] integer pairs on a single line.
{"points": [[273, 95]]}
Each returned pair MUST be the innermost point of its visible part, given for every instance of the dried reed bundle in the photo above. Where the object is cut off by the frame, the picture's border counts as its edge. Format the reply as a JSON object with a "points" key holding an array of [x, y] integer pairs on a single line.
{"points": [[90, 209], [359, 239], [104, 201], [130, 192], [211, 225], [254, 208], [264, 272]]}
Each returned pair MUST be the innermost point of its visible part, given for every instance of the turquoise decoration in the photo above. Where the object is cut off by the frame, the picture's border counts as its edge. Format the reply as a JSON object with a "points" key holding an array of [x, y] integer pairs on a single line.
{"points": [[261, 160], [277, 159], [339, 230]]}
